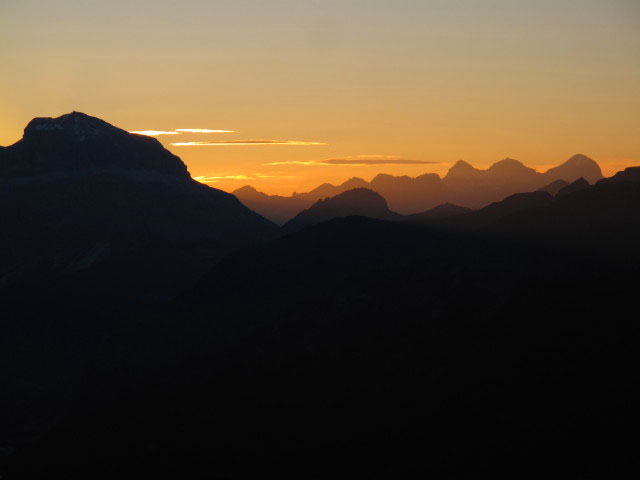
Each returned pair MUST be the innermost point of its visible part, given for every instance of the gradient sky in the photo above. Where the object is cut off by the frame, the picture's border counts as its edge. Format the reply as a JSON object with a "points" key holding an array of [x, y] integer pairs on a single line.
{"points": [[371, 82]]}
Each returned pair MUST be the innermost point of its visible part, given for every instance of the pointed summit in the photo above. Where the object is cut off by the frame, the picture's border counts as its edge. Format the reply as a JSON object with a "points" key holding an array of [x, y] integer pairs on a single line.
{"points": [[462, 169]]}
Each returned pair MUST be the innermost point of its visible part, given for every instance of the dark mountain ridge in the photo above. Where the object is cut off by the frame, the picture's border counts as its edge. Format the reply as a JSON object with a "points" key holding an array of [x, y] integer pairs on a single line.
{"points": [[355, 202]]}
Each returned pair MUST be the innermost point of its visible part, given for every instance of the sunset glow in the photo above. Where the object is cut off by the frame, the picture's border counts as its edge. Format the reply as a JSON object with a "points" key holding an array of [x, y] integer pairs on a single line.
{"points": [[244, 142], [201, 130], [424, 81], [153, 133]]}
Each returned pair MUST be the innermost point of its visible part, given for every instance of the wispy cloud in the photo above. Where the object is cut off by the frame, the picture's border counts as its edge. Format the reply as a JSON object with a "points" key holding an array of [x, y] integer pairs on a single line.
{"points": [[178, 131], [202, 130], [244, 142], [252, 176], [360, 160], [154, 133]]}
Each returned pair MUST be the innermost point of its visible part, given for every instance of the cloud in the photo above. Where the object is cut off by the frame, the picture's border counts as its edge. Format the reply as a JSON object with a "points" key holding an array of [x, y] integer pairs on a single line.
{"points": [[217, 143], [360, 160], [202, 130], [154, 133], [178, 131], [252, 176]]}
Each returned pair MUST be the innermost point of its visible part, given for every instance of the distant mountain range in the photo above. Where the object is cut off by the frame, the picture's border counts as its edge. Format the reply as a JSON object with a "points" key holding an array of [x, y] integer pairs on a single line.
{"points": [[463, 185], [83, 199]]}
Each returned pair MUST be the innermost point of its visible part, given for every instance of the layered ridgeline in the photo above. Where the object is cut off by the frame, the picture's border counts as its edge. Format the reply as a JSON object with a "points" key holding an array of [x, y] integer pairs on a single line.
{"points": [[463, 185], [83, 200], [384, 349]]}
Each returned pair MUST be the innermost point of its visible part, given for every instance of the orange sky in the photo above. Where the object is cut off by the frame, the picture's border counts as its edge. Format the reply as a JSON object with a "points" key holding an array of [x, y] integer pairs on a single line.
{"points": [[351, 80]]}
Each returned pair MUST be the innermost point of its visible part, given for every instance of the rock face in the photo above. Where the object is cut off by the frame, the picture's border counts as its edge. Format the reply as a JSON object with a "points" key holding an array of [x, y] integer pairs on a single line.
{"points": [[463, 185], [82, 198], [359, 201]]}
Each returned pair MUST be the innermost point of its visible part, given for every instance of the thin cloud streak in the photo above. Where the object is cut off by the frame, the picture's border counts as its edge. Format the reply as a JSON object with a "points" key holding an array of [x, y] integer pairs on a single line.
{"points": [[202, 130], [244, 142], [154, 133], [253, 176], [178, 131], [361, 160]]}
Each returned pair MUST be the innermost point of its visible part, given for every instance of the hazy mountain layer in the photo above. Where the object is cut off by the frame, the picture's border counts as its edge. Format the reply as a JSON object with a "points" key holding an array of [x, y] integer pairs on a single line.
{"points": [[463, 185]]}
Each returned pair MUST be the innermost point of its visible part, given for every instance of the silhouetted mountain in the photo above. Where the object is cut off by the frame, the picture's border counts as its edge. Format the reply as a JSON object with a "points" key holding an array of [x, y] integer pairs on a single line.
{"points": [[554, 187], [463, 185], [577, 166], [438, 213], [404, 191], [630, 174], [280, 209], [359, 201], [576, 186], [86, 200], [603, 219], [490, 214], [76, 143]]}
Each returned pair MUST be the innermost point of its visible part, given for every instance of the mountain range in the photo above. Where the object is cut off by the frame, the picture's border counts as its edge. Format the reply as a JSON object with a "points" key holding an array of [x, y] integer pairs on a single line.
{"points": [[155, 327], [463, 185]]}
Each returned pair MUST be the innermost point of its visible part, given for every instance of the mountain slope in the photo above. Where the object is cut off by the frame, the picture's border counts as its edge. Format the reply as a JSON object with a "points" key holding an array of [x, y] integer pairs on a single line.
{"points": [[438, 213]]}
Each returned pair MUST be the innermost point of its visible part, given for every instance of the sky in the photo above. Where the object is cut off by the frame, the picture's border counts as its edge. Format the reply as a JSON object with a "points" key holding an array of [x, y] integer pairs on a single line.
{"points": [[308, 92]]}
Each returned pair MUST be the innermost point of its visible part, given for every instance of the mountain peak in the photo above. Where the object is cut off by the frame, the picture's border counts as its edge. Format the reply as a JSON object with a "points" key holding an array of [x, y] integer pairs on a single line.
{"points": [[77, 123], [77, 142], [461, 165], [577, 166], [508, 164]]}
